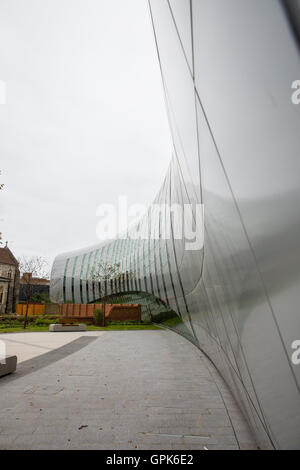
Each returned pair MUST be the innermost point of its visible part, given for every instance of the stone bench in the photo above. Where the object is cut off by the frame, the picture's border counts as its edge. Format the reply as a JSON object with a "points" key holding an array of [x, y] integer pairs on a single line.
{"points": [[8, 365], [54, 327]]}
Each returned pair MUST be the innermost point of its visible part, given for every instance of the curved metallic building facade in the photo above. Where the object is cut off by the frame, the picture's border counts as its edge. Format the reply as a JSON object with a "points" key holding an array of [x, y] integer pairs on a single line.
{"points": [[227, 68]]}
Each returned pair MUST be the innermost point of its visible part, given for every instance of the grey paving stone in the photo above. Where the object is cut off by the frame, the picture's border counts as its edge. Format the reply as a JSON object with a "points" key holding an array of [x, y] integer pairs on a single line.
{"points": [[121, 390]]}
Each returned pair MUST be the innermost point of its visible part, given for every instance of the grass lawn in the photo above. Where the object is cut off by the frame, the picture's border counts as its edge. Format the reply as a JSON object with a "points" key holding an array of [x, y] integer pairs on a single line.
{"points": [[122, 327], [17, 329]]}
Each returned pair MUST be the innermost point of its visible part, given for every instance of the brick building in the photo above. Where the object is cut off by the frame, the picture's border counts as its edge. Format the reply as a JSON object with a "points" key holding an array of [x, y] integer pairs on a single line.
{"points": [[9, 281]]}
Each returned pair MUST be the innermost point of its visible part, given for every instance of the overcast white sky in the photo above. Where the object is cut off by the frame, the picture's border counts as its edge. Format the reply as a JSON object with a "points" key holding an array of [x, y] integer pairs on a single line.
{"points": [[85, 118]]}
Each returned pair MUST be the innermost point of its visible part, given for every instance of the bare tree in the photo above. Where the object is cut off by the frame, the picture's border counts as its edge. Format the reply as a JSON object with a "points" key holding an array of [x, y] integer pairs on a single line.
{"points": [[32, 267], [106, 274]]}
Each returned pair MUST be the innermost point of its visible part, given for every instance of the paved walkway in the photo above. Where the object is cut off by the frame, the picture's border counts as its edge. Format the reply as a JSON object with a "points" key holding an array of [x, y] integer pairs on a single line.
{"points": [[116, 390], [28, 345]]}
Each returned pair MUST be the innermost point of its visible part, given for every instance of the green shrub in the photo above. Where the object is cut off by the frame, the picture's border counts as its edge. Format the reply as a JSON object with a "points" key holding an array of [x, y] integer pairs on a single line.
{"points": [[126, 322], [98, 317], [15, 321], [50, 317], [163, 316]]}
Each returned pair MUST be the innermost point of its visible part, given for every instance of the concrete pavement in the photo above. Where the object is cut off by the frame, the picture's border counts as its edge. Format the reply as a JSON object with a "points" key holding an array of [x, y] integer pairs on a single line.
{"points": [[116, 390], [29, 345]]}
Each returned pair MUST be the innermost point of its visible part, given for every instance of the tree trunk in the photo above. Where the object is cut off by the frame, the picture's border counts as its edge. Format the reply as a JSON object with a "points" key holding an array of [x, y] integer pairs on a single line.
{"points": [[28, 298], [103, 316], [26, 314]]}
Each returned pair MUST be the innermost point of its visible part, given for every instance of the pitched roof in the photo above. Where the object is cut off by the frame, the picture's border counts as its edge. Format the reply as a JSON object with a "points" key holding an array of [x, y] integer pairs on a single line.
{"points": [[39, 281], [6, 257]]}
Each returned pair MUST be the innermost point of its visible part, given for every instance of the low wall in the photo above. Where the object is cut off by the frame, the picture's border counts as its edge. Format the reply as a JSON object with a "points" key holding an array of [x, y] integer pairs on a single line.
{"points": [[38, 309], [33, 309], [113, 312], [123, 312]]}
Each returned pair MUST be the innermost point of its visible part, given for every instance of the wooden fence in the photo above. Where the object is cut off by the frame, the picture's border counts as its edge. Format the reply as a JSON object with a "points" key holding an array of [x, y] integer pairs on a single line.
{"points": [[113, 312], [33, 309]]}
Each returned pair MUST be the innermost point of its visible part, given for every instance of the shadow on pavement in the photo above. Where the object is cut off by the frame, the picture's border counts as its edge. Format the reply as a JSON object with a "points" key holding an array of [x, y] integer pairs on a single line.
{"points": [[36, 363]]}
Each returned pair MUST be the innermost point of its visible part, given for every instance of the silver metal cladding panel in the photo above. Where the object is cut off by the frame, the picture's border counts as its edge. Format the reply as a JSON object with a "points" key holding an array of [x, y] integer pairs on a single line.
{"points": [[227, 69]]}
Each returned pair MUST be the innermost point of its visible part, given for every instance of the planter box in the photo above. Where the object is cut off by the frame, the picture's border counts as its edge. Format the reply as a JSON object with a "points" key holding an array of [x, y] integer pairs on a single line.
{"points": [[54, 327]]}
